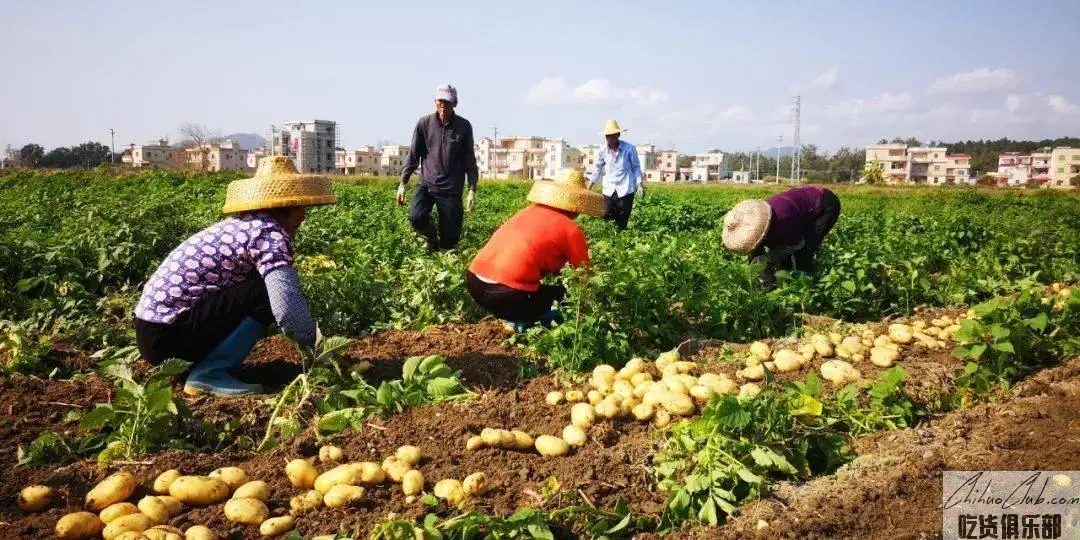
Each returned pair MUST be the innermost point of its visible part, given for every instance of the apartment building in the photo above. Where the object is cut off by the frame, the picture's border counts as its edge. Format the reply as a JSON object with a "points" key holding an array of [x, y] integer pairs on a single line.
{"points": [[392, 159], [559, 155], [12, 158], [1014, 168], [310, 144], [362, 161], [155, 154], [668, 164], [518, 157], [648, 158], [1064, 166], [893, 159], [958, 168], [708, 167], [253, 157], [926, 165], [590, 153], [217, 157]]}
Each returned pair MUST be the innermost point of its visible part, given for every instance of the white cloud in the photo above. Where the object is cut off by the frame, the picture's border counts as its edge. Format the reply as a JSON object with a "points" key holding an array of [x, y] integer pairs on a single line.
{"points": [[886, 102], [826, 79], [1060, 105], [735, 112], [555, 91], [1012, 103], [986, 115], [980, 80]]}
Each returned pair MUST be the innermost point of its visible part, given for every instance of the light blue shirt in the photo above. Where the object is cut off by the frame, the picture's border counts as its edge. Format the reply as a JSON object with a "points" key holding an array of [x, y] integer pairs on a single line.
{"points": [[621, 171]]}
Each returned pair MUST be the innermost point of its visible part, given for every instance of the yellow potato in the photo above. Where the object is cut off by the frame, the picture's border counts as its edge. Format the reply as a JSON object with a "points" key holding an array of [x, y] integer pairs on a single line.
{"points": [[788, 360], [331, 454], [550, 446], [594, 397], [255, 489], [78, 526], [342, 474], [131, 522], [475, 484], [163, 532], [641, 412], [522, 440], [678, 404], [409, 454], [582, 415], [636, 380], [839, 372], [395, 469], [883, 357], [306, 502], [35, 498], [153, 508], [342, 495], [607, 409], [491, 437], [164, 480], [200, 532], [554, 398], [701, 392], [247, 511], [451, 490], [171, 503], [475, 442], [506, 438], [822, 345], [277, 526], [130, 535], [412, 483], [761, 350], [116, 510], [199, 490], [370, 473], [116, 488], [753, 373], [575, 396], [661, 418], [301, 473], [749, 391], [234, 476], [666, 358], [677, 386], [574, 435]]}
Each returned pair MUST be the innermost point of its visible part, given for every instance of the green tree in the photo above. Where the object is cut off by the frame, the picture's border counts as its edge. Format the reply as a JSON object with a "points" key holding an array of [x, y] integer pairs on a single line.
{"points": [[873, 173], [31, 155]]}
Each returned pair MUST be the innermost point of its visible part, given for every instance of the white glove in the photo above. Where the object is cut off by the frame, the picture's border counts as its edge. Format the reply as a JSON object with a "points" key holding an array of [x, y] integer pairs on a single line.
{"points": [[470, 200], [400, 194]]}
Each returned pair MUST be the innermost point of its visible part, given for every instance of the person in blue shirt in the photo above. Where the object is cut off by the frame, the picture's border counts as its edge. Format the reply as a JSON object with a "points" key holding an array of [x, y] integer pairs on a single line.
{"points": [[619, 167]]}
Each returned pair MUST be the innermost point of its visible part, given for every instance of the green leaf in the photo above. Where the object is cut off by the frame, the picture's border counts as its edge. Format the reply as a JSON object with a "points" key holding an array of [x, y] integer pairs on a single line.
{"points": [[707, 513], [342, 419], [430, 500], [999, 331], [748, 476], [173, 367], [1037, 322], [804, 405], [977, 350], [444, 387], [385, 395], [1004, 346], [97, 418], [161, 400], [408, 371]]}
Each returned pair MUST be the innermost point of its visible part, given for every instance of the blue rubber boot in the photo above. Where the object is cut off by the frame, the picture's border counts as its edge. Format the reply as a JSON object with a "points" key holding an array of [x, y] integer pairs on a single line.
{"points": [[212, 374], [515, 327], [551, 318]]}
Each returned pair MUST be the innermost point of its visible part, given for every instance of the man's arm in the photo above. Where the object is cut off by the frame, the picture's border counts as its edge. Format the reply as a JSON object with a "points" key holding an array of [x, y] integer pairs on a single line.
{"points": [[472, 173], [418, 148], [635, 166]]}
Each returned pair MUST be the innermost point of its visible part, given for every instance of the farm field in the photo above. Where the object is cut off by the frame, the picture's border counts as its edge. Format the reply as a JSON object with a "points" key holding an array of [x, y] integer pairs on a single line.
{"points": [[725, 412]]}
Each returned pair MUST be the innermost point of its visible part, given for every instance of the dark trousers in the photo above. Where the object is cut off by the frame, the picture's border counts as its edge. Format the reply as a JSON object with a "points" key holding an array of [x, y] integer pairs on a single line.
{"points": [[202, 328], [451, 214], [511, 304], [617, 209], [803, 259]]}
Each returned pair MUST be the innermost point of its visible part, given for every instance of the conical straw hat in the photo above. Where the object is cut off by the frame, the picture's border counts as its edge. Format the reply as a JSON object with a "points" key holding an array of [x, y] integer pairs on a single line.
{"points": [[276, 184], [611, 128], [745, 225], [568, 192]]}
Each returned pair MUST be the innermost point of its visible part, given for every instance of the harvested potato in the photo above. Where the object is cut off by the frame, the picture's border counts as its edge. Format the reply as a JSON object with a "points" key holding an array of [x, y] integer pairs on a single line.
{"points": [[603, 371], [475, 442], [607, 409], [788, 360], [918, 324], [701, 393], [164, 480], [506, 438], [130, 535], [836, 338], [409, 454], [900, 333], [306, 502], [632, 368], [171, 503], [255, 489], [822, 346], [661, 418], [753, 373], [623, 388], [131, 522], [199, 490], [343, 495], [234, 476], [162, 532], [153, 508], [522, 440], [370, 473], [636, 380], [247, 511], [78, 526], [761, 350], [491, 437], [807, 350], [550, 446], [395, 469], [200, 532], [749, 391], [594, 397], [277, 526], [474, 485], [677, 386], [666, 358], [342, 474], [678, 404], [301, 473], [752, 361], [839, 372], [641, 412], [412, 483], [451, 490], [113, 489], [35, 498], [643, 388], [116, 510], [883, 357], [331, 454], [554, 398], [582, 415], [574, 435]]}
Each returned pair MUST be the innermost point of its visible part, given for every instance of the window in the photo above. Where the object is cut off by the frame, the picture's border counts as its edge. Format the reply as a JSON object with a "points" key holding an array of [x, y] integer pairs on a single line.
{"points": [[1061, 169], [937, 167], [1076, 157]]}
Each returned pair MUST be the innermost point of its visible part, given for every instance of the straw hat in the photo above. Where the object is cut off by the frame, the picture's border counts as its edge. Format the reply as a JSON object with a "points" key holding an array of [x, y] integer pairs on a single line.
{"points": [[745, 225], [611, 128], [276, 184], [568, 192]]}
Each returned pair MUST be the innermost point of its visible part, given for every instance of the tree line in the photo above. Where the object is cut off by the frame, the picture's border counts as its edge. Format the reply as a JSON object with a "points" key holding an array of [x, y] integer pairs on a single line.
{"points": [[87, 155]]}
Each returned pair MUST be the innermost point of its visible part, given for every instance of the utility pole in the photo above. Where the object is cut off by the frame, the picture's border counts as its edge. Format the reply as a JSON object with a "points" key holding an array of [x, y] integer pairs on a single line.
{"points": [[491, 155], [779, 141], [112, 146], [757, 164]]}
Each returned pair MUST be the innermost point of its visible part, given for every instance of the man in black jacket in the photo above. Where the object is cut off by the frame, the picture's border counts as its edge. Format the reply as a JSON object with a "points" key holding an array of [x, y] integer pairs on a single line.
{"points": [[442, 146]]}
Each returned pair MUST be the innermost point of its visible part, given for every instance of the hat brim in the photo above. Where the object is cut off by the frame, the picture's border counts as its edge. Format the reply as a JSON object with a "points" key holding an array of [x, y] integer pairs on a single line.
{"points": [[278, 191], [754, 218], [566, 197], [606, 132]]}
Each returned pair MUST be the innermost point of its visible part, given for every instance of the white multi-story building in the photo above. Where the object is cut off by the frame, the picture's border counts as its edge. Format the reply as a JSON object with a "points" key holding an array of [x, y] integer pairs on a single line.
{"points": [[667, 163], [253, 157], [392, 158], [1014, 168], [893, 160], [558, 156], [1064, 166], [708, 167], [927, 165], [590, 153], [310, 144], [958, 168], [217, 157], [362, 161], [155, 154]]}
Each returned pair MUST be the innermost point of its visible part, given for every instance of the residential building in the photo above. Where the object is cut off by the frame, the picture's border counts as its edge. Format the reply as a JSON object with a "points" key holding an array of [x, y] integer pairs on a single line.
{"points": [[558, 156], [685, 174], [12, 158], [518, 157], [362, 161], [893, 159], [253, 157], [1016, 168], [392, 159], [310, 144], [648, 158], [958, 168], [155, 154], [740, 177], [708, 167], [217, 157], [927, 164], [483, 150], [590, 153], [1040, 166], [1064, 166], [668, 164]]}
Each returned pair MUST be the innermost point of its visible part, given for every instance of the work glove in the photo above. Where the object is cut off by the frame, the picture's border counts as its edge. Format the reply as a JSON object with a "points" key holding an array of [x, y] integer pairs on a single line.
{"points": [[641, 188], [470, 200], [401, 194]]}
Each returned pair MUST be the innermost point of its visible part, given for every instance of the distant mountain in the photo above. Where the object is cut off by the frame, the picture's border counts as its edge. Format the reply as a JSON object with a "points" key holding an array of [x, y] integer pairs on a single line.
{"points": [[785, 151], [247, 141]]}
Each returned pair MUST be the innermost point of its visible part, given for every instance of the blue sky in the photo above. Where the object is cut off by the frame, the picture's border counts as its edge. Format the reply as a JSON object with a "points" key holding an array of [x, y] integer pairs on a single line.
{"points": [[697, 75]]}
